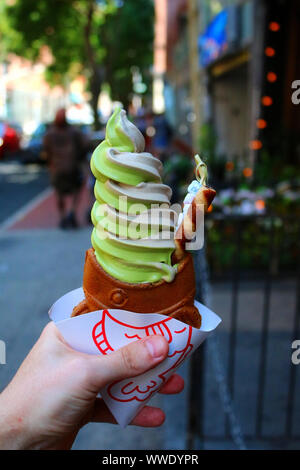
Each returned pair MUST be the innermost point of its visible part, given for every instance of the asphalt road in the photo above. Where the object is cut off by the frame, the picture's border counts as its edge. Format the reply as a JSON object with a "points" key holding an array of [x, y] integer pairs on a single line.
{"points": [[19, 184]]}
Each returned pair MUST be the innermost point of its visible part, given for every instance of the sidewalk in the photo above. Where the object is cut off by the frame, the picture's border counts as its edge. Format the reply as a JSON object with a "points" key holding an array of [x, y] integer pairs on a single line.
{"points": [[41, 212], [36, 268]]}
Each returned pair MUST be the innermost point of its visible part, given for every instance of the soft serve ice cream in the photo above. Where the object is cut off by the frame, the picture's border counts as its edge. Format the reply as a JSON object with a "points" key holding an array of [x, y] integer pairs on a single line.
{"points": [[133, 236]]}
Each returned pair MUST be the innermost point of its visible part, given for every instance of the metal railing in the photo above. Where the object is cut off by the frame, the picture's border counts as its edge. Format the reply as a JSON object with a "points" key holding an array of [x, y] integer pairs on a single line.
{"points": [[213, 368]]}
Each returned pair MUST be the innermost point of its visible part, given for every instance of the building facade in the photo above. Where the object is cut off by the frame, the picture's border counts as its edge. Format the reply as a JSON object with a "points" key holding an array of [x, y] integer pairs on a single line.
{"points": [[25, 97], [247, 54]]}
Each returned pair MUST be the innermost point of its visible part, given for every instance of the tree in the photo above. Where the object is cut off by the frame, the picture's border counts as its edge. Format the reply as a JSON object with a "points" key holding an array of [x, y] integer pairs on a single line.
{"points": [[100, 38], [128, 42]]}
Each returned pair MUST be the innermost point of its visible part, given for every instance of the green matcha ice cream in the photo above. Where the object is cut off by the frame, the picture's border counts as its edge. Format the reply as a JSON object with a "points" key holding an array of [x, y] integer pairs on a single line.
{"points": [[133, 235]]}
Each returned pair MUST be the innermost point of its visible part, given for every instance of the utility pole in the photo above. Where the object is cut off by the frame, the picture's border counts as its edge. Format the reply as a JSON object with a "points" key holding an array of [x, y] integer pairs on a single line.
{"points": [[195, 88]]}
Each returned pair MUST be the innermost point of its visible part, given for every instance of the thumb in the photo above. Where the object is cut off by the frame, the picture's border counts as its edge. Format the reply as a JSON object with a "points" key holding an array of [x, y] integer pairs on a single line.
{"points": [[129, 361]]}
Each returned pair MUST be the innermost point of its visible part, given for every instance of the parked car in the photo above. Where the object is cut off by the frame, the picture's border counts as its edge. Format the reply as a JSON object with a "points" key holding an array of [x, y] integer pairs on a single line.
{"points": [[9, 139], [32, 153], [34, 148]]}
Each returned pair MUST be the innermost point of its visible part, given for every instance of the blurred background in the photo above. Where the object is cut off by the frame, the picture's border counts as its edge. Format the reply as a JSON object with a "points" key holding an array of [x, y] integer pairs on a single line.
{"points": [[215, 77]]}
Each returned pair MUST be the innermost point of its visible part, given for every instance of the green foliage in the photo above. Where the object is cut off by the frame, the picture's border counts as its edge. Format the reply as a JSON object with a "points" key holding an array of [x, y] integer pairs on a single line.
{"points": [[118, 36], [128, 39], [55, 23], [208, 142], [178, 170], [180, 164], [8, 36], [272, 168], [221, 245]]}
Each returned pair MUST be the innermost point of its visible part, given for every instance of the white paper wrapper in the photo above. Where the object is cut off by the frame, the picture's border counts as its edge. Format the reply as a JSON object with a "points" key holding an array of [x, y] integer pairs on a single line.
{"points": [[104, 331]]}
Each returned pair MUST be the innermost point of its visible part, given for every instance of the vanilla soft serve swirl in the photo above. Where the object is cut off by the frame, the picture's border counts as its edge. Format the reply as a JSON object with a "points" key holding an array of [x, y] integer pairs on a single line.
{"points": [[133, 234]]}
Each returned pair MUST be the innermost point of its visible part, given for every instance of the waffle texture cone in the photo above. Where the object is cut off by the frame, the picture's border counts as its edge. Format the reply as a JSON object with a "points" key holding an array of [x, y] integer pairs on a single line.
{"points": [[174, 299]]}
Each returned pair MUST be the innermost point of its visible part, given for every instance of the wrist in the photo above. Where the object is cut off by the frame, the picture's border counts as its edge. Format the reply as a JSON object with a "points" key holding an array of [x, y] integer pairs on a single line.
{"points": [[13, 432]]}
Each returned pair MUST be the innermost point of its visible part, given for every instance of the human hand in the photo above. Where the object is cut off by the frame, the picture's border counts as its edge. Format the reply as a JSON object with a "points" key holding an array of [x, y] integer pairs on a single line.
{"points": [[54, 393]]}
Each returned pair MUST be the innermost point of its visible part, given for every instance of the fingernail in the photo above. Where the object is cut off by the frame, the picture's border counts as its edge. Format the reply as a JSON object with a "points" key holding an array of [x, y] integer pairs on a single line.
{"points": [[156, 346]]}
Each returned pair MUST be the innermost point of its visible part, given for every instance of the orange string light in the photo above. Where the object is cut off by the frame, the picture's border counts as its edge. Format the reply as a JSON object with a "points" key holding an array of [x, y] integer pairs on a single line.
{"points": [[267, 101], [255, 144], [274, 26], [247, 172], [269, 51], [261, 124], [271, 77]]}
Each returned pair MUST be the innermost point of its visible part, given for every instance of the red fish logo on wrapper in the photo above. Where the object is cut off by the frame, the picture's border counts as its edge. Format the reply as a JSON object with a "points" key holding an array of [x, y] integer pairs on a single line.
{"points": [[105, 331], [129, 389]]}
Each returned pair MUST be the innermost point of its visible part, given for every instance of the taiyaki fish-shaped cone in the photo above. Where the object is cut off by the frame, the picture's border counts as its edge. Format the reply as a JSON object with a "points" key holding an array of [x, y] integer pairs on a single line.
{"points": [[174, 299], [197, 203]]}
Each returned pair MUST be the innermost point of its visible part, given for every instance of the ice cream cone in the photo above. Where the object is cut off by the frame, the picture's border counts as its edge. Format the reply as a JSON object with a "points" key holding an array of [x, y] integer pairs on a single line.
{"points": [[175, 299], [138, 261]]}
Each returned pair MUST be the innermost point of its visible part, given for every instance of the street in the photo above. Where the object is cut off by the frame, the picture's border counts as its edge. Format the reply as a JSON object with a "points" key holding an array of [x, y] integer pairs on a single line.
{"points": [[19, 184], [30, 201]]}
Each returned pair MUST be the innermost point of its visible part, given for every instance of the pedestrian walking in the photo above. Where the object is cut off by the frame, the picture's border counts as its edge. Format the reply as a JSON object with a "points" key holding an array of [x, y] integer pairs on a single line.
{"points": [[65, 149]]}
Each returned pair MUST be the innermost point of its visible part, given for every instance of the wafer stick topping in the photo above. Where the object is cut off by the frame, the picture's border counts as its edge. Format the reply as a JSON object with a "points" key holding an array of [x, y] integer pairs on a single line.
{"points": [[196, 203]]}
